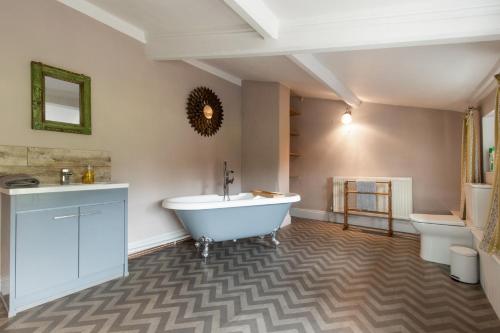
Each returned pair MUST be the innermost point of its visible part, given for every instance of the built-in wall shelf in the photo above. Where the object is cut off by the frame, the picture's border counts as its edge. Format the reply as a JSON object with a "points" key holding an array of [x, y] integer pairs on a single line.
{"points": [[293, 133]]}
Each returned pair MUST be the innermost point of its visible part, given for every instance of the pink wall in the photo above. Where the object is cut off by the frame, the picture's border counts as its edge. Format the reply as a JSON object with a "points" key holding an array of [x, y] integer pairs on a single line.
{"points": [[265, 136], [382, 141], [138, 109], [487, 104]]}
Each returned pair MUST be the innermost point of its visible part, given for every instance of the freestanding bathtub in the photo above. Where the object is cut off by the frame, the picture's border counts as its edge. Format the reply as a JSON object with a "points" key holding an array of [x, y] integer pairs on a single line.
{"points": [[208, 218]]}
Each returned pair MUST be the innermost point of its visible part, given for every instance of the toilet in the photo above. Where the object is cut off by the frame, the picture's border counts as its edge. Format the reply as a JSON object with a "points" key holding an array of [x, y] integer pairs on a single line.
{"points": [[439, 232]]}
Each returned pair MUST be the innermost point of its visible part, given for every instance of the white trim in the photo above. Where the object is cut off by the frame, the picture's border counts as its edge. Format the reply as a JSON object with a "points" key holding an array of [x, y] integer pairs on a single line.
{"points": [[316, 69], [214, 71], [158, 240], [357, 220], [486, 86], [257, 15], [106, 18]]}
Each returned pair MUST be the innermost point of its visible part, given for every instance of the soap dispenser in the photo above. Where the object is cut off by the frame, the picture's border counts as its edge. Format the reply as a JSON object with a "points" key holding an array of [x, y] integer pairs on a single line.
{"points": [[88, 176]]}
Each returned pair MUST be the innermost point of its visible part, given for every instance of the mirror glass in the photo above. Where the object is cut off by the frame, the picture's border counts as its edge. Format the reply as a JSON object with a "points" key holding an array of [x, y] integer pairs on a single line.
{"points": [[62, 101], [208, 112]]}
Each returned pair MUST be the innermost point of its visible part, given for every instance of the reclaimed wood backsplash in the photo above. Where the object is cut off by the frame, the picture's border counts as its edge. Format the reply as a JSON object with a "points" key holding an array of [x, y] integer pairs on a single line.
{"points": [[46, 163]]}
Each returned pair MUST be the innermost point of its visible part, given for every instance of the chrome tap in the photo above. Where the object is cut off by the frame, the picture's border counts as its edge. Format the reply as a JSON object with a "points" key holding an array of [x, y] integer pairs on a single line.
{"points": [[65, 176], [227, 181]]}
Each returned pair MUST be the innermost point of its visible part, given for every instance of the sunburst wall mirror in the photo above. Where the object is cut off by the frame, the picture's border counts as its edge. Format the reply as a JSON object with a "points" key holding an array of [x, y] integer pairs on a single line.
{"points": [[204, 110]]}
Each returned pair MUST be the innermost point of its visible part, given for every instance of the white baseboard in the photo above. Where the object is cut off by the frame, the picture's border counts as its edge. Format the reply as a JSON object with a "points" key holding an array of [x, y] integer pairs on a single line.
{"points": [[148, 243], [357, 220]]}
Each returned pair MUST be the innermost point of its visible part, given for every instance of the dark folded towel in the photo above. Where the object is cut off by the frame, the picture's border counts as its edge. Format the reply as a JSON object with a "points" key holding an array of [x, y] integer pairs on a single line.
{"points": [[18, 181]]}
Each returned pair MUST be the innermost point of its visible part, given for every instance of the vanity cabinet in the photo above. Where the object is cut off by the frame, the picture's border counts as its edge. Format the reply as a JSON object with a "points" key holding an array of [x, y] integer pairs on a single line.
{"points": [[47, 249], [61, 240], [101, 244]]}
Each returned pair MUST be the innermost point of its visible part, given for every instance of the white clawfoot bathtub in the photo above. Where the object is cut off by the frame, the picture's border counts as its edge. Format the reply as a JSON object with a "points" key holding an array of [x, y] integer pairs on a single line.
{"points": [[208, 218]]}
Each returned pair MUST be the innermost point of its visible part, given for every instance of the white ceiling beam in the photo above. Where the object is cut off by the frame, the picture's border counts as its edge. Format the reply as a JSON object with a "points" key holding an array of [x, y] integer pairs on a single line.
{"points": [[130, 30], [257, 15], [467, 22], [214, 70], [106, 18], [315, 68]]}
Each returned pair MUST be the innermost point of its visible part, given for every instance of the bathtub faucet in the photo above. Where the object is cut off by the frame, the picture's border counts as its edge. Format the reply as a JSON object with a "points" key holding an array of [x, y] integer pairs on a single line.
{"points": [[227, 181]]}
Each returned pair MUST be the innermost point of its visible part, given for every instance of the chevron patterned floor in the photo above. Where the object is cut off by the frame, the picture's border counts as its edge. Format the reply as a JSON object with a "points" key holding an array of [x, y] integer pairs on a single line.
{"points": [[321, 279]]}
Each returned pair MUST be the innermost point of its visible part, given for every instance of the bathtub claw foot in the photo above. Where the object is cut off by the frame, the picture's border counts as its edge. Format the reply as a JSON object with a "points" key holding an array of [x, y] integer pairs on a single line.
{"points": [[204, 253], [275, 241], [204, 243]]}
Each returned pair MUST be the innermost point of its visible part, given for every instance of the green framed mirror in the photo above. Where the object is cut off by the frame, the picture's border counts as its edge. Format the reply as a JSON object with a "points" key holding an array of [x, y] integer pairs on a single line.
{"points": [[60, 100]]}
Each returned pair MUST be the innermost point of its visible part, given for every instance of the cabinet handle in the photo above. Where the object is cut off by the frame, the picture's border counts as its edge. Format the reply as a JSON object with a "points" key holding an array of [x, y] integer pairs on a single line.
{"points": [[64, 217], [90, 213]]}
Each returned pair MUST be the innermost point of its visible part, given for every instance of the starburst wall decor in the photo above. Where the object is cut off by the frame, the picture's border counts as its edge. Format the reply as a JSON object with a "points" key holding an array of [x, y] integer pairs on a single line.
{"points": [[204, 110]]}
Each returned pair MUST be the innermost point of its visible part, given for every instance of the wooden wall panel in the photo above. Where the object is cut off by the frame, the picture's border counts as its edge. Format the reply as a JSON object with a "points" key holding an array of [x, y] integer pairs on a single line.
{"points": [[46, 163]]}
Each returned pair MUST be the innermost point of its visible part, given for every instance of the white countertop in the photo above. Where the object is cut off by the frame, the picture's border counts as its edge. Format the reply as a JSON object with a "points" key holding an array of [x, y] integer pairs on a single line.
{"points": [[63, 188]]}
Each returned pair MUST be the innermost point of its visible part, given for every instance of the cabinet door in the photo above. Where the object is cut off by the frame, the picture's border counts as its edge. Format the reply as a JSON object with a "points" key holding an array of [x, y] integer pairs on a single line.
{"points": [[46, 249], [102, 237]]}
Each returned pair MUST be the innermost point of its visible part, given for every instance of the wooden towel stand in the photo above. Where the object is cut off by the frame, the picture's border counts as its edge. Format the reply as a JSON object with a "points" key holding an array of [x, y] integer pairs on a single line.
{"points": [[360, 211]]}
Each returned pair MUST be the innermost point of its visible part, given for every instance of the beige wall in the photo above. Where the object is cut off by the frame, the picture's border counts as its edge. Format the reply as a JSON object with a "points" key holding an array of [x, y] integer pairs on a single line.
{"points": [[487, 104], [382, 141], [265, 136], [284, 139], [138, 108]]}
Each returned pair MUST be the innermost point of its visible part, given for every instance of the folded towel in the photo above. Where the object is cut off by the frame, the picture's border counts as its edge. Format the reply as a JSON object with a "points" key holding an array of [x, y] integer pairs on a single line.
{"points": [[268, 194], [18, 181], [366, 201]]}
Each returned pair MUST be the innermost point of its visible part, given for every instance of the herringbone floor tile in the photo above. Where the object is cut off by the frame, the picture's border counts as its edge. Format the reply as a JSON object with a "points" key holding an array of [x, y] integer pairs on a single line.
{"points": [[321, 279]]}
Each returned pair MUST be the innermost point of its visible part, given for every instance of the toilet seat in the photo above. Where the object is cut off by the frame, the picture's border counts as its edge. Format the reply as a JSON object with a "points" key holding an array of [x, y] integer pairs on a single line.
{"points": [[444, 220], [438, 233]]}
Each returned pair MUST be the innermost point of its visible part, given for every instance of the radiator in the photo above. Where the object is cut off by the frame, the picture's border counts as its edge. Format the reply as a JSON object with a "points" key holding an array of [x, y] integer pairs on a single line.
{"points": [[402, 195]]}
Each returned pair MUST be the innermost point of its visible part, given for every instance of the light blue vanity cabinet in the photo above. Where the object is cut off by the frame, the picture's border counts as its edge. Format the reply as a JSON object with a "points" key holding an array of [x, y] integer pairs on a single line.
{"points": [[61, 239], [101, 244], [46, 249]]}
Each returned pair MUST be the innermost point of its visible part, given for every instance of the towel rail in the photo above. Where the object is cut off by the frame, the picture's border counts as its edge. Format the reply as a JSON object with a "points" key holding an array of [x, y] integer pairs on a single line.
{"points": [[373, 193], [389, 204]]}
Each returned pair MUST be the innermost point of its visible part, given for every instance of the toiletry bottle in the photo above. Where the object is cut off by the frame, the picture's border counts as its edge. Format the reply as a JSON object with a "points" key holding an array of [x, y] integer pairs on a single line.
{"points": [[492, 158], [88, 176]]}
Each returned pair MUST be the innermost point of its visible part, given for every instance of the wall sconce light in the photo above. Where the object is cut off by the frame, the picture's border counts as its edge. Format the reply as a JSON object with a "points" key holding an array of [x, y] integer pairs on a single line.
{"points": [[346, 117]]}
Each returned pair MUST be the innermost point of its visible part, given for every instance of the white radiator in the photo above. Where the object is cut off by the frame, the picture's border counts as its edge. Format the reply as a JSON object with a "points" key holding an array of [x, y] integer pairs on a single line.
{"points": [[402, 195]]}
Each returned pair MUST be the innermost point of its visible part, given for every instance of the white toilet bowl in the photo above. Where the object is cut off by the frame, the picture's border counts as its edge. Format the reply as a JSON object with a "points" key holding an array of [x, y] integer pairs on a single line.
{"points": [[438, 233]]}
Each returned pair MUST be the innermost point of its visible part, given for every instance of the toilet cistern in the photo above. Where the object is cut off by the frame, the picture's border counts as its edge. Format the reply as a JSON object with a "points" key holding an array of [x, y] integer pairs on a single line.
{"points": [[227, 181]]}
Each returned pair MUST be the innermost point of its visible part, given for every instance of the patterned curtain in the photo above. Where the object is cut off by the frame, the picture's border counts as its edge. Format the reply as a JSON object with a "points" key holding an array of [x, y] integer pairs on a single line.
{"points": [[491, 239], [471, 170]]}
